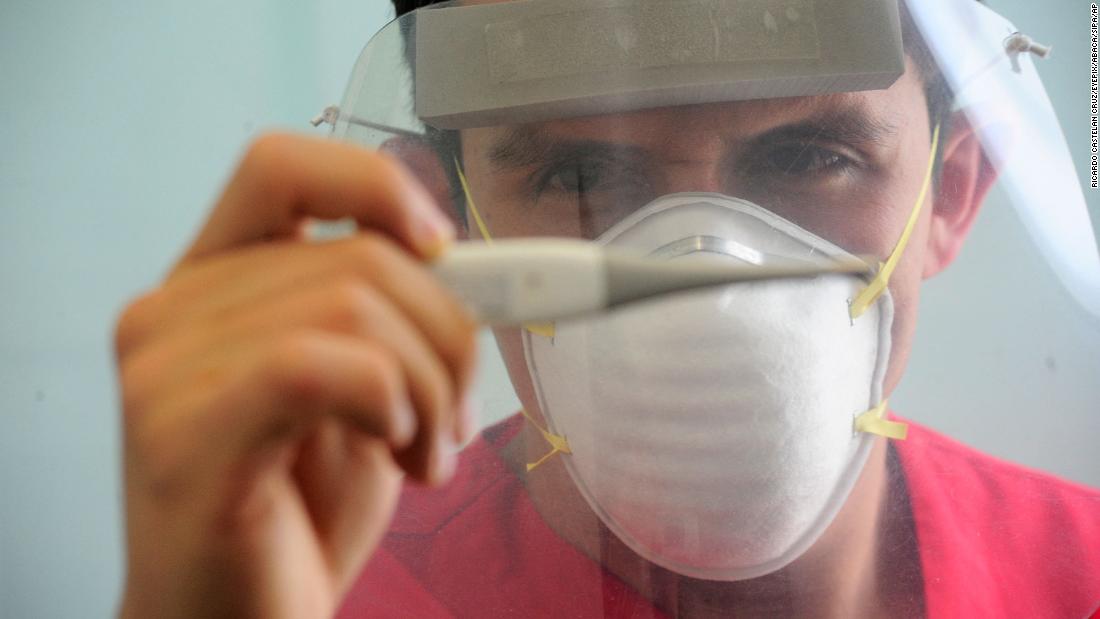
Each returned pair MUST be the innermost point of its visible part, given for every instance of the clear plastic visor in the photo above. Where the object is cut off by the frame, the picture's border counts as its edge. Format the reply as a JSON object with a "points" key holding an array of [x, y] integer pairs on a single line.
{"points": [[566, 116], [742, 450]]}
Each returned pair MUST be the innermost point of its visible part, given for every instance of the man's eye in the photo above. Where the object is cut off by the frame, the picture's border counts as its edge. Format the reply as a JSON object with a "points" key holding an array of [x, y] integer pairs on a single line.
{"points": [[800, 159], [573, 178]]}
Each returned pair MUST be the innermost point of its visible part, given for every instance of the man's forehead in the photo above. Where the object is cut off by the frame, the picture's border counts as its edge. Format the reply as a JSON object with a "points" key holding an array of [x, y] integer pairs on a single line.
{"points": [[868, 118], [746, 115]]}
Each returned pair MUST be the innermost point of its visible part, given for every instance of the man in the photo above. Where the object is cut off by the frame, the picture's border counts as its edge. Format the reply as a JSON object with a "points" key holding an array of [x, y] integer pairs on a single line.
{"points": [[678, 458]]}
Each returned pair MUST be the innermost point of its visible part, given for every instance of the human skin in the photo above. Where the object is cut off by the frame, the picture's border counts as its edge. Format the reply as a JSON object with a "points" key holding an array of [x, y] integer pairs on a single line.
{"points": [[275, 390], [694, 150]]}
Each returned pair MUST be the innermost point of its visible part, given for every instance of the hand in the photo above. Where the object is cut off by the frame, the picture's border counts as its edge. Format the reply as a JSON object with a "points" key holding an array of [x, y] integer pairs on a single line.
{"points": [[275, 390]]}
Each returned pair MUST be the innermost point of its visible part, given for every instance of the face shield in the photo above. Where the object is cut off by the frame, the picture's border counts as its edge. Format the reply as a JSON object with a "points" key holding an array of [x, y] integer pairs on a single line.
{"points": [[733, 447]]}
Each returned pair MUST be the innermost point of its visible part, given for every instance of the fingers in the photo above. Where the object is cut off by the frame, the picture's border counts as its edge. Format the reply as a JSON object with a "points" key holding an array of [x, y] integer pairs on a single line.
{"points": [[351, 308], [268, 392], [421, 297], [230, 295], [303, 378], [271, 390], [285, 178], [337, 473], [269, 273], [233, 339]]}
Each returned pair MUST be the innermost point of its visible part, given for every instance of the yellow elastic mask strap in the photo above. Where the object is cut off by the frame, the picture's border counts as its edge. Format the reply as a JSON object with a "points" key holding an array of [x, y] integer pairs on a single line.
{"points": [[557, 442], [875, 422], [471, 206], [874, 290], [543, 329]]}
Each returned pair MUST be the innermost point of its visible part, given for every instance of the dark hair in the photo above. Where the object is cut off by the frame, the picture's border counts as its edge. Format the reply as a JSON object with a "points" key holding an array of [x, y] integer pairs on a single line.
{"points": [[937, 93], [408, 6]]}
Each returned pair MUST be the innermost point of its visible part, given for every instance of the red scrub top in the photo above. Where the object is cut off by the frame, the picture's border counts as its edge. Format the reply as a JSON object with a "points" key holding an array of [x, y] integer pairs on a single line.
{"points": [[994, 540]]}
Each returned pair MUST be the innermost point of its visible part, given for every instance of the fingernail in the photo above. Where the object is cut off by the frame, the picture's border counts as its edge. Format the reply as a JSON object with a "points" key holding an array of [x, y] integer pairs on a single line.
{"points": [[443, 460], [466, 425], [404, 425], [433, 242], [434, 230]]}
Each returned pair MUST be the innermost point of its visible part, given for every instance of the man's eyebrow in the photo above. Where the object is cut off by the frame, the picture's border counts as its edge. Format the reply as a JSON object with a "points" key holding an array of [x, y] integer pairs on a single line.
{"points": [[525, 146], [847, 125], [519, 147]]}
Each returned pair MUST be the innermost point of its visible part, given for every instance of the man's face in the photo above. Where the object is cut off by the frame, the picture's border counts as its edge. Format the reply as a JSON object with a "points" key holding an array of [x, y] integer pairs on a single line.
{"points": [[847, 167]]}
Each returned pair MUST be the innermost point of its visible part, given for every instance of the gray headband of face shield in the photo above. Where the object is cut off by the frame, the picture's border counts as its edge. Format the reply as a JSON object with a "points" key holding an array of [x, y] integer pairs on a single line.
{"points": [[560, 58]]}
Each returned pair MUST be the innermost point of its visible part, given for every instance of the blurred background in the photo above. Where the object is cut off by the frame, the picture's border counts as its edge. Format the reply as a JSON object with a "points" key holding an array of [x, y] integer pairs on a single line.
{"points": [[119, 123]]}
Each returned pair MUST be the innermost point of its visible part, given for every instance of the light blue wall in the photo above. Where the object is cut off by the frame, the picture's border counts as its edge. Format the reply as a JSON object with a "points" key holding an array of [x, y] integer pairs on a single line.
{"points": [[118, 124]]}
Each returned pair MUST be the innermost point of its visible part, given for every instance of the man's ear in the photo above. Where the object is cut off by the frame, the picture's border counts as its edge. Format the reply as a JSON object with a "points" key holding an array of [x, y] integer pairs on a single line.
{"points": [[423, 160], [966, 176]]}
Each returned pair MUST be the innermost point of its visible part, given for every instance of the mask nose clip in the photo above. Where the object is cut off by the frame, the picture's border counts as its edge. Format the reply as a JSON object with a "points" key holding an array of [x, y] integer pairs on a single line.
{"points": [[708, 244]]}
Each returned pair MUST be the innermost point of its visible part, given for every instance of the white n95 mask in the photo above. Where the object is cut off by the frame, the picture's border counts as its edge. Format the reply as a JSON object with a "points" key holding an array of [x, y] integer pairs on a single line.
{"points": [[715, 432]]}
